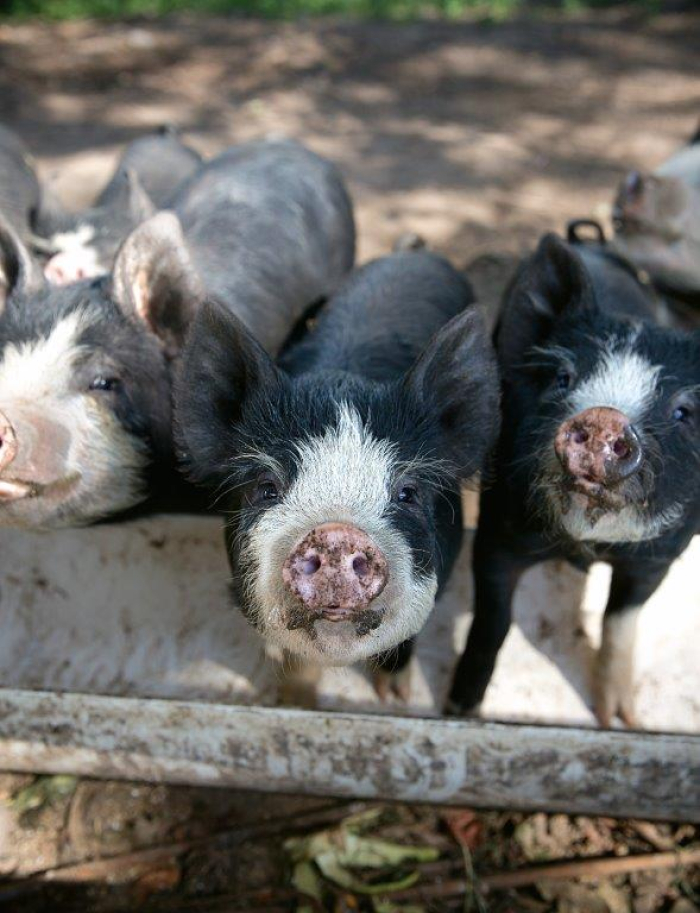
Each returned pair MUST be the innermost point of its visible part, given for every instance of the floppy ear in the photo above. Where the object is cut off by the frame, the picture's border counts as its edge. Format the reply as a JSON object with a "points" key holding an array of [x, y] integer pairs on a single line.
{"points": [[456, 380], [156, 282], [553, 281], [223, 367], [18, 272]]}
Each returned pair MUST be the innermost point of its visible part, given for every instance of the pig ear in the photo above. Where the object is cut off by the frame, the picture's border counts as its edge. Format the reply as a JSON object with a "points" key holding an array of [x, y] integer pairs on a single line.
{"points": [[456, 380], [223, 368], [18, 272], [156, 282], [128, 196], [552, 282]]}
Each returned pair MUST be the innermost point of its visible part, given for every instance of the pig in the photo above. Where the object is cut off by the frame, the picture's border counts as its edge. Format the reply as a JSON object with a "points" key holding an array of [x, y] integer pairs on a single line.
{"points": [[597, 461], [656, 218], [86, 368], [339, 468], [147, 177]]}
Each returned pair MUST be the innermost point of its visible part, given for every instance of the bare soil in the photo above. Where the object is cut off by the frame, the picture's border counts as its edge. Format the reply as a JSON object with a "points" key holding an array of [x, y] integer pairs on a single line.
{"points": [[476, 136]]}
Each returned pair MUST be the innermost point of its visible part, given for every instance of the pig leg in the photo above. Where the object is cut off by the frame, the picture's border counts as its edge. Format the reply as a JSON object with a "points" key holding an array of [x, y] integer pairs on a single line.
{"points": [[392, 672], [614, 683], [298, 686], [496, 574]]}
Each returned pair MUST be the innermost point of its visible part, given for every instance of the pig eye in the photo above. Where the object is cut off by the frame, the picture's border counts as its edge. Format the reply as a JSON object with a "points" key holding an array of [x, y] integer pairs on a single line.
{"points": [[682, 414], [268, 491], [563, 380], [407, 494], [105, 384]]}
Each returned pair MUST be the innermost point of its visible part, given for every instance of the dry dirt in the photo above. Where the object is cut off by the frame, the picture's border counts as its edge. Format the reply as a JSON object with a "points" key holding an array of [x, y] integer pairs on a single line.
{"points": [[477, 136]]}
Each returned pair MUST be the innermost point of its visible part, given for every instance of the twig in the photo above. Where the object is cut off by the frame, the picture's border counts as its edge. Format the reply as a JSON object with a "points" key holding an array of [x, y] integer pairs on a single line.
{"points": [[594, 867]]}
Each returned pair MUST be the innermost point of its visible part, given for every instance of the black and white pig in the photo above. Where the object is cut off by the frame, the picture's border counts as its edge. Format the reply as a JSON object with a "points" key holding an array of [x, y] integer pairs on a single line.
{"points": [[339, 470], [149, 173], [656, 217], [599, 458], [86, 368]]}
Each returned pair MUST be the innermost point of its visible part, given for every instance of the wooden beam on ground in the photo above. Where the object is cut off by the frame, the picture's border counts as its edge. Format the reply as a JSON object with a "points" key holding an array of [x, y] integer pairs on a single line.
{"points": [[632, 774]]}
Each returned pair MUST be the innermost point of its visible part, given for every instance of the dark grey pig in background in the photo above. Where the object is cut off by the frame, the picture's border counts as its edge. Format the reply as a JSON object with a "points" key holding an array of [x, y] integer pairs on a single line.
{"points": [[149, 173], [598, 459], [340, 470], [86, 368]]}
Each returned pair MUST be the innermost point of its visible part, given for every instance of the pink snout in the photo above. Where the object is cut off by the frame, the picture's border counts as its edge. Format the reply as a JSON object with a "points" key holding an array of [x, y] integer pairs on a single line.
{"points": [[9, 490], [71, 266], [599, 447], [335, 571]]}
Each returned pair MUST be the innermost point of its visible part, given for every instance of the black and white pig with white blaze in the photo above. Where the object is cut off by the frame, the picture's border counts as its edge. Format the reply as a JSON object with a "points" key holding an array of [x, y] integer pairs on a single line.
{"points": [[599, 458], [339, 469], [86, 369]]}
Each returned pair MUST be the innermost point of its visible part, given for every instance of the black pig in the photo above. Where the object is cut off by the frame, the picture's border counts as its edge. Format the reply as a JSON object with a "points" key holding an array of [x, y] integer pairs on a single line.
{"points": [[340, 470], [598, 458]]}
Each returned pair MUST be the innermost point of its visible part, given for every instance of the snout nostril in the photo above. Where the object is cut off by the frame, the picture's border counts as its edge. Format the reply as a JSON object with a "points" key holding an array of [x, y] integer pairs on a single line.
{"points": [[360, 565], [622, 449], [310, 565], [580, 436]]}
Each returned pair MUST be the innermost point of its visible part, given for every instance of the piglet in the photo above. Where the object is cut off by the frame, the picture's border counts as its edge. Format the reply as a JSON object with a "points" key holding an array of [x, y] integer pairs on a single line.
{"points": [[339, 469]]}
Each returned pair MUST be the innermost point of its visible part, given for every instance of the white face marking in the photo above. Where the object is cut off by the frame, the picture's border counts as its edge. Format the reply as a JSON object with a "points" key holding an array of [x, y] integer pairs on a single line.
{"points": [[70, 240], [626, 381], [623, 380], [96, 469], [345, 476]]}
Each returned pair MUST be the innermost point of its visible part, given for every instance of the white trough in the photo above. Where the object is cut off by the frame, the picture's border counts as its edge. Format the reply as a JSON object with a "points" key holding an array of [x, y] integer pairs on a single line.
{"points": [[140, 612]]}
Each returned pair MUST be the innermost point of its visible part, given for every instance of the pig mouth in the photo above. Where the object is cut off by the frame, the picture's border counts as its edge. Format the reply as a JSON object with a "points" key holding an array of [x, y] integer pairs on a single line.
{"points": [[12, 490], [364, 620]]}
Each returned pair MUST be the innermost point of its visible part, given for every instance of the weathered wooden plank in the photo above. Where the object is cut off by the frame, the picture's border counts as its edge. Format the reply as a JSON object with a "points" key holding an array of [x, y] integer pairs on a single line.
{"points": [[429, 760]]}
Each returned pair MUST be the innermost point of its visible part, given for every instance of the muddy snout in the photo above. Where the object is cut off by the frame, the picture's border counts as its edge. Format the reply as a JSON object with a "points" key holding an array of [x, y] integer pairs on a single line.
{"points": [[33, 453], [335, 572], [599, 447], [9, 491]]}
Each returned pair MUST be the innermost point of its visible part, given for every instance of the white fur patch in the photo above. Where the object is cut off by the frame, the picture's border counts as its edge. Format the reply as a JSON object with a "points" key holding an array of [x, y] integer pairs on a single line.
{"points": [[70, 240], [345, 476], [102, 468], [623, 380], [616, 674], [626, 525]]}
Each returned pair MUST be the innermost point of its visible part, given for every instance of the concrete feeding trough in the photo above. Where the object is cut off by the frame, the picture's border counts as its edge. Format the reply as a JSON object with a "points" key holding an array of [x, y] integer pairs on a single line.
{"points": [[122, 656]]}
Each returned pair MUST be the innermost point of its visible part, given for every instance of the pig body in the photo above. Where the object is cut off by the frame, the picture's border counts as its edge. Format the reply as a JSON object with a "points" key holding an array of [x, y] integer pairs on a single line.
{"points": [[149, 173], [598, 459], [340, 469], [656, 218], [86, 368]]}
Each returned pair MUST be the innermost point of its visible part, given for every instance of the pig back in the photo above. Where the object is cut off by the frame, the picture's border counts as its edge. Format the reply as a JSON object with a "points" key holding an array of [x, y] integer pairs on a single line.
{"points": [[382, 317], [271, 230]]}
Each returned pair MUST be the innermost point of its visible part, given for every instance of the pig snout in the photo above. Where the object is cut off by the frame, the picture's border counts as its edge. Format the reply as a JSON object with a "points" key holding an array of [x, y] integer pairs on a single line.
{"points": [[599, 447], [9, 490], [71, 266], [335, 571]]}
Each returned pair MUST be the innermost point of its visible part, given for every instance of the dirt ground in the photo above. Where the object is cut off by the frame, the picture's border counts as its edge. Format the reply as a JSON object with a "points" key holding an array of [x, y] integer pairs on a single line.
{"points": [[477, 136]]}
